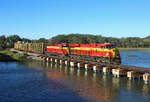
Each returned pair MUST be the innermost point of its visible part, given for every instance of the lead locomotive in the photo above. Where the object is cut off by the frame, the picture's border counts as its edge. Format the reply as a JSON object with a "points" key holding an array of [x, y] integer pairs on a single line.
{"points": [[99, 52]]}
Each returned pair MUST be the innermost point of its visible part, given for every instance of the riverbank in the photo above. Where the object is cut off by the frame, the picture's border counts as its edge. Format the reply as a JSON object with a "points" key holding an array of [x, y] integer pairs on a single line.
{"points": [[134, 49], [14, 55], [7, 55]]}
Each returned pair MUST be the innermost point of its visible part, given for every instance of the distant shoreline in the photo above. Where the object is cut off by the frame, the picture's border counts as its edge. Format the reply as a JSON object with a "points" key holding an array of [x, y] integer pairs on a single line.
{"points": [[134, 48]]}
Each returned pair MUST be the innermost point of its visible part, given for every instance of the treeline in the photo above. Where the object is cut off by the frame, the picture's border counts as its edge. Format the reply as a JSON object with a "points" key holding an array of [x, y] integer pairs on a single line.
{"points": [[8, 42], [129, 42]]}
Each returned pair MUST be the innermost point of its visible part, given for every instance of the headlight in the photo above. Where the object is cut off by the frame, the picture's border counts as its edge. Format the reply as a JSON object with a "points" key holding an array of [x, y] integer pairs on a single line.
{"points": [[107, 54]]}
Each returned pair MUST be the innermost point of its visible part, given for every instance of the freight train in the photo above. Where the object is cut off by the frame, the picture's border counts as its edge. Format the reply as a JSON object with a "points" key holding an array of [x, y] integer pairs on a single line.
{"points": [[106, 52]]}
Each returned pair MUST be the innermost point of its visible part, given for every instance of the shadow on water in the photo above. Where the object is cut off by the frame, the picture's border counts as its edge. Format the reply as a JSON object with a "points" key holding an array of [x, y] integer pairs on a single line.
{"points": [[45, 82], [5, 58]]}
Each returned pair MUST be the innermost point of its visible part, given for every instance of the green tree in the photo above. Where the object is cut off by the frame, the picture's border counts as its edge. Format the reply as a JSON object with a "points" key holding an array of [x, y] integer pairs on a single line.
{"points": [[11, 40], [42, 40], [26, 40], [2, 42]]}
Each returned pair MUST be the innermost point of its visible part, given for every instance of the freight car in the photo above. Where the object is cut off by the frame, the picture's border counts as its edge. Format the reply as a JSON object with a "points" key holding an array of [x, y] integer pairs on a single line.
{"points": [[30, 47], [99, 52]]}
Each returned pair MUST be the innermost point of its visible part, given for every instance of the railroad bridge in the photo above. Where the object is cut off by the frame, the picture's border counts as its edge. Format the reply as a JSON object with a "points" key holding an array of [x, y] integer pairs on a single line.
{"points": [[131, 72]]}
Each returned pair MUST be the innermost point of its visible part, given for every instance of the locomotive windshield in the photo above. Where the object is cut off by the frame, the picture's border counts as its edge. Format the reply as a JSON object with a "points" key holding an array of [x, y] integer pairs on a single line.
{"points": [[110, 46]]}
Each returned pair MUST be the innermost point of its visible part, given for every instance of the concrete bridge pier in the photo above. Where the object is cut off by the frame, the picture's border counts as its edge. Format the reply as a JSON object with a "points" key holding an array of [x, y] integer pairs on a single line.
{"points": [[97, 68], [114, 72], [61, 61], [107, 70], [67, 62], [146, 78], [119, 72], [80, 64], [56, 60], [73, 64], [47, 59], [52, 59], [88, 66], [132, 75]]}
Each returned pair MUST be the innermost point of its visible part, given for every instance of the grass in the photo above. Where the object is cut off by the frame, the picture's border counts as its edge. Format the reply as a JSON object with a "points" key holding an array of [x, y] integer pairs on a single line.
{"points": [[7, 55], [134, 48], [132, 55], [144, 52]]}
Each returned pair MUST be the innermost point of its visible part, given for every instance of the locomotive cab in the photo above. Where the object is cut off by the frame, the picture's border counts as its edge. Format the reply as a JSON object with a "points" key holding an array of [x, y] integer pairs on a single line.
{"points": [[115, 56], [110, 46]]}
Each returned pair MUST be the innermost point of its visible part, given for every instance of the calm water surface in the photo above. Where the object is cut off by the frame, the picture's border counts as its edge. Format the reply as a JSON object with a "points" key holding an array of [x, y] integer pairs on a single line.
{"points": [[142, 60], [47, 82]]}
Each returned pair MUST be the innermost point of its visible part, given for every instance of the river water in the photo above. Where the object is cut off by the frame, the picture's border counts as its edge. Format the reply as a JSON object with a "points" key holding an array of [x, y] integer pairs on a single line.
{"points": [[47, 82], [142, 59]]}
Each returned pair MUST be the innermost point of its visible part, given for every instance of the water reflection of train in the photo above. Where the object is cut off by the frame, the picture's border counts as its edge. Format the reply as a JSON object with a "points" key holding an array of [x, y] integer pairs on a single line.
{"points": [[84, 85], [91, 85]]}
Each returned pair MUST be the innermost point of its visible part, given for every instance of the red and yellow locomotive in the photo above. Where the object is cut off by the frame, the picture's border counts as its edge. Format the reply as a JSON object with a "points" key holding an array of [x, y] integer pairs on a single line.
{"points": [[99, 52]]}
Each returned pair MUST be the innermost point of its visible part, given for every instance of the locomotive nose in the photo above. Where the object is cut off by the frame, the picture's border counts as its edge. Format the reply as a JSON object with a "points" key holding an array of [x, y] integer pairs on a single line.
{"points": [[117, 53]]}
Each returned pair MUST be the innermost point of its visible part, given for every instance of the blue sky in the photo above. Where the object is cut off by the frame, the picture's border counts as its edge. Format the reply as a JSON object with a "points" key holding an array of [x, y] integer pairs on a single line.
{"points": [[47, 18]]}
